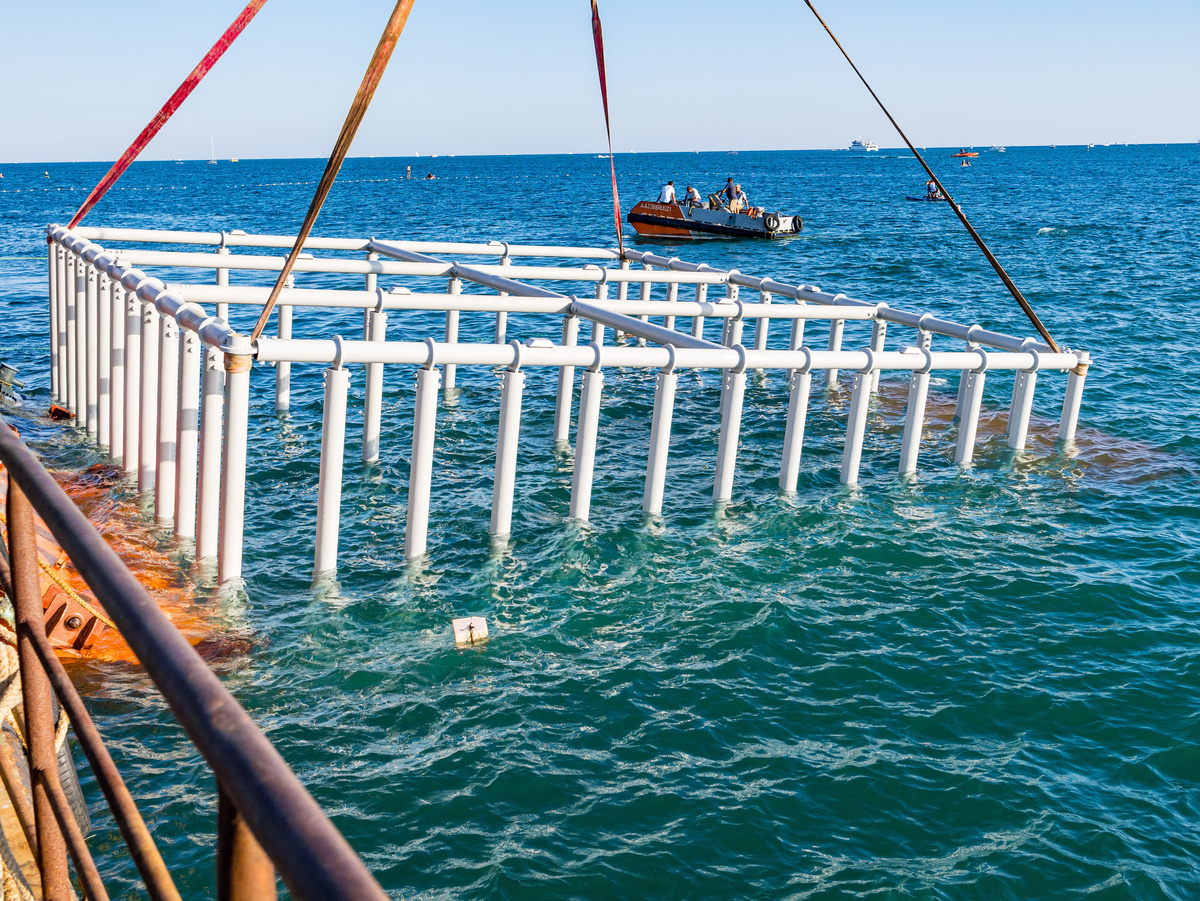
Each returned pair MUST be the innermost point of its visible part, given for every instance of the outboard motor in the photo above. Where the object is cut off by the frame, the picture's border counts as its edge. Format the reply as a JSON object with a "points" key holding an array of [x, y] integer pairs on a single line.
{"points": [[8, 379]]}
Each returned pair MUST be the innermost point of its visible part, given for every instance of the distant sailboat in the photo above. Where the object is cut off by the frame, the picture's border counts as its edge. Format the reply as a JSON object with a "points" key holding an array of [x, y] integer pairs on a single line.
{"points": [[212, 157]]}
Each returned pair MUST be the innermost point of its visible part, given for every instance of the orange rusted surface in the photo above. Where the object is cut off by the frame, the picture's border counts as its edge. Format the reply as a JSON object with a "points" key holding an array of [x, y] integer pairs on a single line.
{"points": [[78, 625]]}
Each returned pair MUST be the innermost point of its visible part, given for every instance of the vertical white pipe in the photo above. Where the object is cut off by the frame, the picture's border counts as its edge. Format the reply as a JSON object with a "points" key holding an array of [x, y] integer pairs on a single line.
{"points": [[420, 471], [962, 385], [64, 298], [133, 382], [92, 331], [734, 383], [914, 420], [223, 282], [148, 402], [727, 327], [187, 441], [698, 321], [660, 441], [597, 328], [370, 284], [55, 323], [283, 369], [329, 485], [505, 477], [836, 327], [856, 427], [212, 412], [878, 340], [104, 360], [373, 403], [795, 342], [1071, 400], [566, 384], [762, 325], [793, 435], [623, 287], [968, 422], [585, 444], [644, 294], [233, 461], [168, 414], [672, 297], [116, 373], [501, 316], [449, 369], [1022, 407], [76, 353]]}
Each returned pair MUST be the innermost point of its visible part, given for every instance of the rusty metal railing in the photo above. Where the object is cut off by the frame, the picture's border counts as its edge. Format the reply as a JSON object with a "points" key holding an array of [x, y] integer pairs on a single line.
{"points": [[267, 822]]}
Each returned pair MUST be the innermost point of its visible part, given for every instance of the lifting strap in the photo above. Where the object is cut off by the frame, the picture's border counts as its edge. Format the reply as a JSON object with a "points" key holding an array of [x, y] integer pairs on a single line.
{"points": [[358, 109], [168, 109], [598, 37]]}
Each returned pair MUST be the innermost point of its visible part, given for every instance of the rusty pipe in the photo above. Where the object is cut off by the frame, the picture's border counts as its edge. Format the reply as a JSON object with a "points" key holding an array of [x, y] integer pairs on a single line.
{"points": [[244, 872], [85, 867]]}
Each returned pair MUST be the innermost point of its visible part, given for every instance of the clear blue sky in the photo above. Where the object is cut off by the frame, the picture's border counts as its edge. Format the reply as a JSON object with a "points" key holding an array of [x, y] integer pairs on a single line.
{"points": [[477, 76]]}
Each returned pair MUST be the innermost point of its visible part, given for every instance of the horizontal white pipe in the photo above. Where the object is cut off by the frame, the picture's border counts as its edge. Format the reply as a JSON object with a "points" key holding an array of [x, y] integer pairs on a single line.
{"points": [[426, 353], [492, 248]]}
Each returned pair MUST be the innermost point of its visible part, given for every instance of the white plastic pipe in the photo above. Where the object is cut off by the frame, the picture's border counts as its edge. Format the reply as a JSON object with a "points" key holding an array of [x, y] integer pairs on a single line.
{"points": [[878, 341], [598, 327], [75, 366], [448, 370], [208, 489], [914, 420], [148, 401], [64, 295], [505, 475], [420, 471], [585, 445], [133, 382], [660, 441], [92, 342], [116, 373], [1074, 395], [856, 427], [233, 463], [734, 382], [104, 361], [762, 325], [968, 421], [793, 435], [373, 402], [501, 315], [168, 413], [698, 321], [329, 485], [623, 286], [187, 442], [283, 369], [52, 277], [795, 342], [836, 328], [565, 394], [1022, 407]]}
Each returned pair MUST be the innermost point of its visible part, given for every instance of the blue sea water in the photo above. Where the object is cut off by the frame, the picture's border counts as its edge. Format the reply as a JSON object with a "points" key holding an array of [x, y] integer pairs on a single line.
{"points": [[979, 684]]}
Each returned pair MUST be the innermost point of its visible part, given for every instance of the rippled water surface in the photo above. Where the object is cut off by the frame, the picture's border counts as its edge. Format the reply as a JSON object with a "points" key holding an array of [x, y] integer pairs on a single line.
{"points": [[978, 684]]}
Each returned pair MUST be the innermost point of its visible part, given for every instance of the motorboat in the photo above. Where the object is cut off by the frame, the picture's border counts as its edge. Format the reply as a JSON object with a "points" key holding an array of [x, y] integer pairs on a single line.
{"points": [[863, 146], [962, 154], [651, 219]]}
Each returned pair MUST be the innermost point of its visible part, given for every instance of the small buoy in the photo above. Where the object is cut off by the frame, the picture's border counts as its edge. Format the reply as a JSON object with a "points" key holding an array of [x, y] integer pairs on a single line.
{"points": [[469, 629]]}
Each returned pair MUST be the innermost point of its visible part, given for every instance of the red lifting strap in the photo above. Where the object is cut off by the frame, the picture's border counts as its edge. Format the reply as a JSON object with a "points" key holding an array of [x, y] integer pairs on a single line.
{"points": [[168, 109], [598, 37]]}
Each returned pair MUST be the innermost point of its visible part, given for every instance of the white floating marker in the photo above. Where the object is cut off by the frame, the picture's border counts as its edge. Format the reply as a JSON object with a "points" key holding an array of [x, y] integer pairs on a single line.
{"points": [[469, 629]]}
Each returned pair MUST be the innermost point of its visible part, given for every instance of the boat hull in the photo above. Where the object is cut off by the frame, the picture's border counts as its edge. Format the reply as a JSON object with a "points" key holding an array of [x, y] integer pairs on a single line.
{"points": [[651, 219]]}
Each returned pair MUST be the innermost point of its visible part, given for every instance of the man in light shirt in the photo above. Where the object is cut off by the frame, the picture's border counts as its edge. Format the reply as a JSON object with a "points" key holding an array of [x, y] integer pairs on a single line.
{"points": [[667, 194], [692, 197]]}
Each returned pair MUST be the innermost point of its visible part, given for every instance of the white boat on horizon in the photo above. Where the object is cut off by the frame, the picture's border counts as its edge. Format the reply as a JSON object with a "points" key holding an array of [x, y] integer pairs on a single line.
{"points": [[863, 146]]}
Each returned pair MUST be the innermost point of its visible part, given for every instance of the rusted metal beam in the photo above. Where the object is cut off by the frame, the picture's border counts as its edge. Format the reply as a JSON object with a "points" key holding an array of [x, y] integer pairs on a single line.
{"points": [[85, 867], [156, 876], [35, 688], [244, 872], [313, 859], [16, 793]]}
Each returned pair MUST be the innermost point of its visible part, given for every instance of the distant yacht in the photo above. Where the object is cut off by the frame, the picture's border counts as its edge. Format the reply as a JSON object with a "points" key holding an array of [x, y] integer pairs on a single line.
{"points": [[863, 146], [999, 149], [212, 157]]}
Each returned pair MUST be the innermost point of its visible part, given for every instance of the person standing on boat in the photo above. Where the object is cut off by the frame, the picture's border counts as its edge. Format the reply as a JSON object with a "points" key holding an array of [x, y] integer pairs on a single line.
{"points": [[729, 191], [667, 194]]}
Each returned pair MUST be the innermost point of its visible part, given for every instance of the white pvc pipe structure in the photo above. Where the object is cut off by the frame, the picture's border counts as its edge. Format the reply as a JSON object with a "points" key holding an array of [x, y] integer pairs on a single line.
{"points": [[420, 471], [329, 485]]}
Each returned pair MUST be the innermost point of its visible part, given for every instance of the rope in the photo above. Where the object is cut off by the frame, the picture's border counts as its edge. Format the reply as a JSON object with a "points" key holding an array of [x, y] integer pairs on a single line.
{"points": [[168, 109], [358, 109], [15, 888], [598, 39], [63, 584]]}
